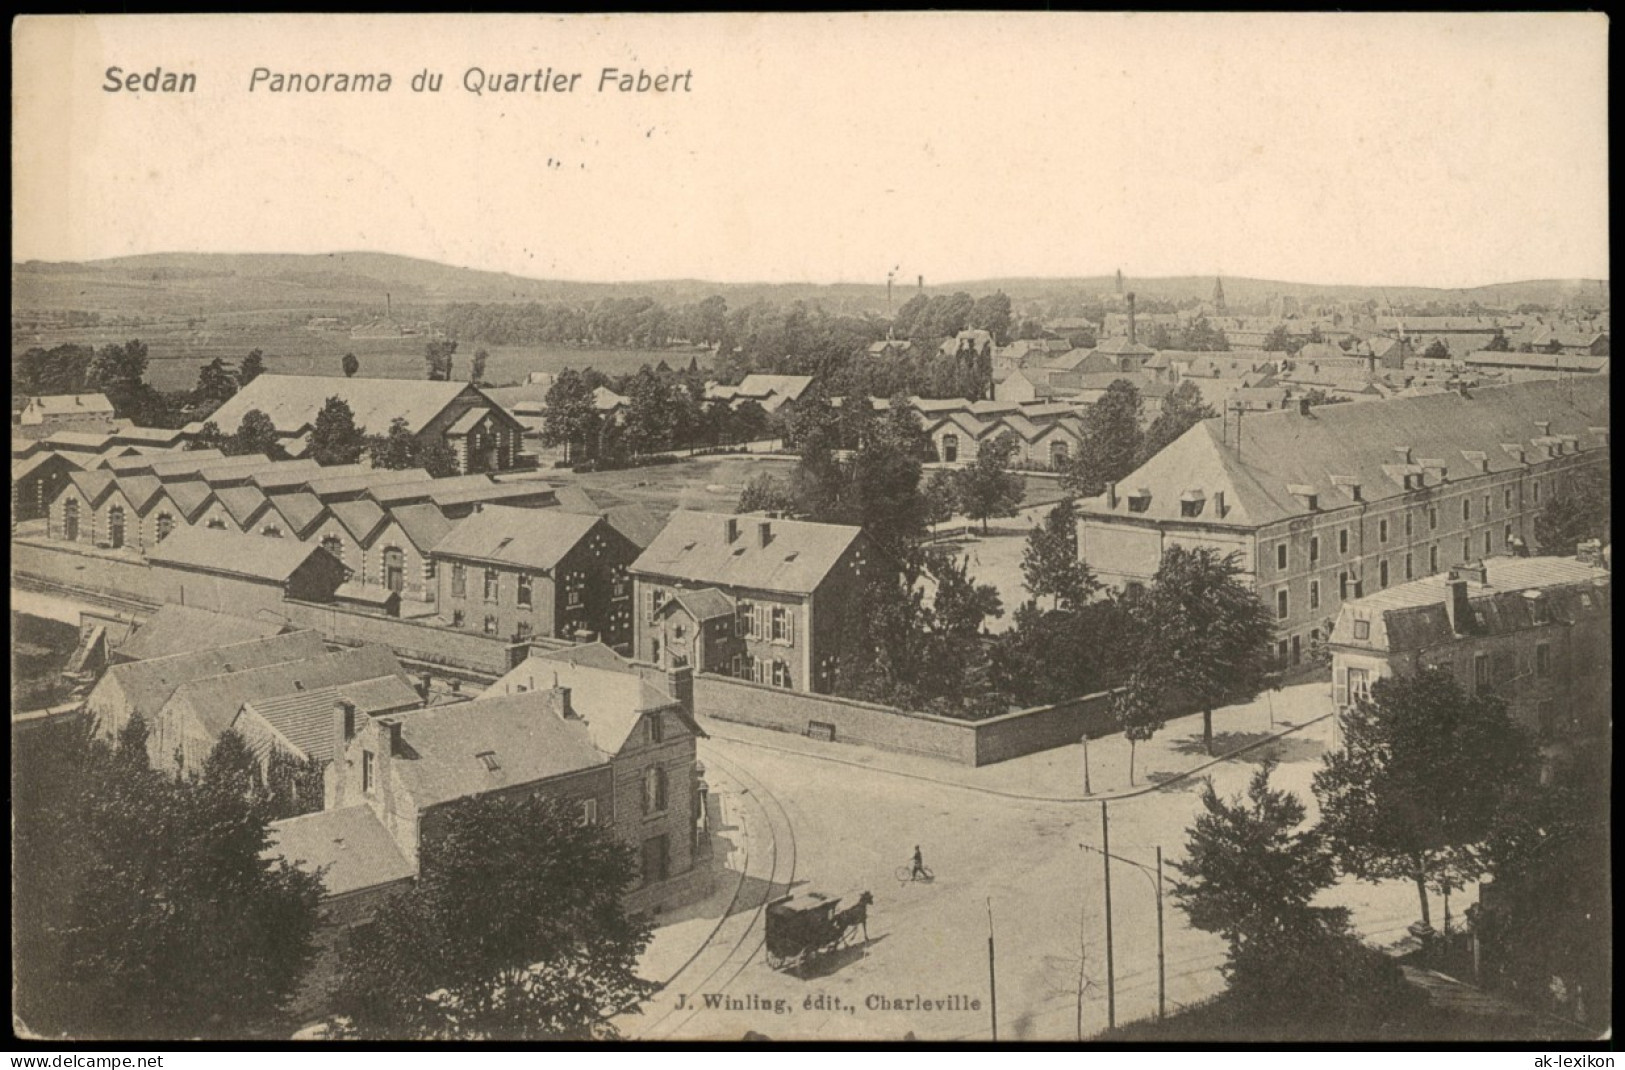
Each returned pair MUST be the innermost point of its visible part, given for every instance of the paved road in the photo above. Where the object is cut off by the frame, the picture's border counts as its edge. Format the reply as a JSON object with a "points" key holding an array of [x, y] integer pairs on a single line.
{"points": [[844, 829]]}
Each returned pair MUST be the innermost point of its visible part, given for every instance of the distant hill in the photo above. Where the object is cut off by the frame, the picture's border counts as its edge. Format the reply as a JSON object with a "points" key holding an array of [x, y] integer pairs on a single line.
{"points": [[224, 283]]}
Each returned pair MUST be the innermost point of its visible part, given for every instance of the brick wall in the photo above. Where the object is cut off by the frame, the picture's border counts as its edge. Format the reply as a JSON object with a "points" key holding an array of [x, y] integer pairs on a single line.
{"points": [[425, 643], [887, 728]]}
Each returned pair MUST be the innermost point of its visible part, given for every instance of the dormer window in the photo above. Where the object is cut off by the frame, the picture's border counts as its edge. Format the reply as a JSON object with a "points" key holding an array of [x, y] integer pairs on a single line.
{"points": [[1191, 502], [657, 728], [488, 758], [1139, 500]]}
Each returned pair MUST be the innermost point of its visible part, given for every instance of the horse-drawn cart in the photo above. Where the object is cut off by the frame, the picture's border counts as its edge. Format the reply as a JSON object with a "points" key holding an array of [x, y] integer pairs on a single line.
{"points": [[801, 927]]}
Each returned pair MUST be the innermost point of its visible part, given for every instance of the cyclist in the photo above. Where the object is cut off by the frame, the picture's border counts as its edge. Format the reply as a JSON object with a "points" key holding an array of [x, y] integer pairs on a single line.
{"points": [[919, 865]]}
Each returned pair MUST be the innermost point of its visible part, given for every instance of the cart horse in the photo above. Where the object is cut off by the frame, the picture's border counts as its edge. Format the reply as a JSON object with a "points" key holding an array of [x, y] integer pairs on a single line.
{"points": [[802, 927]]}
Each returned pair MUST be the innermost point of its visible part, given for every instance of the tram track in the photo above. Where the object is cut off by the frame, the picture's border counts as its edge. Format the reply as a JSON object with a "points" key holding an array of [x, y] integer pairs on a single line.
{"points": [[752, 935]]}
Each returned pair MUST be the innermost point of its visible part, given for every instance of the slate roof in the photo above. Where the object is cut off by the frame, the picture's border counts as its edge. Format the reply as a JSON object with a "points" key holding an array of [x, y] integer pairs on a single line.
{"points": [[232, 553], [604, 399], [694, 546], [292, 401], [214, 700], [523, 538], [605, 690], [241, 502], [1356, 442], [1554, 361], [468, 420], [187, 462], [339, 480], [360, 517], [189, 497], [706, 604], [147, 685], [90, 405], [423, 523], [1122, 347], [1415, 616], [760, 386], [300, 509], [528, 738], [178, 629], [350, 847], [304, 719], [22, 469], [92, 484]]}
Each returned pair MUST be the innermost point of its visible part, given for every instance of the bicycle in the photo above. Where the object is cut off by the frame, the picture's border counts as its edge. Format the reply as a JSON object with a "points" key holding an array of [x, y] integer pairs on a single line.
{"points": [[906, 874]]}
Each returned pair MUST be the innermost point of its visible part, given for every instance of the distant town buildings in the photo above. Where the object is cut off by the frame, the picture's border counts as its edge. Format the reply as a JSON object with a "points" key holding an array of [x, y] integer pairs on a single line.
{"points": [[56, 410]]}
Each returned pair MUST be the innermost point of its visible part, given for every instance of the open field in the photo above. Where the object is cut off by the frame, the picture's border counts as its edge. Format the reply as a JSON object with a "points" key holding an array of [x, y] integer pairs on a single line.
{"points": [[176, 351]]}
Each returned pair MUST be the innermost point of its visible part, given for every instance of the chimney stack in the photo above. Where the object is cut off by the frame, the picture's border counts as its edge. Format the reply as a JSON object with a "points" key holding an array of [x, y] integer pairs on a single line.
{"points": [[922, 284], [1132, 335], [680, 686], [1590, 553], [1404, 454], [567, 710], [765, 530], [732, 529], [1111, 495], [394, 728], [423, 688], [1303, 406], [1456, 606]]}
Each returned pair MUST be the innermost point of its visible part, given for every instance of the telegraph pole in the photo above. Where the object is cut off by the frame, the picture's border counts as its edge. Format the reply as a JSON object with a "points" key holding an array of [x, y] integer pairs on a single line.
{"points": [[1106, 860], [1086, 788], [992, 979], [1162, 965]]}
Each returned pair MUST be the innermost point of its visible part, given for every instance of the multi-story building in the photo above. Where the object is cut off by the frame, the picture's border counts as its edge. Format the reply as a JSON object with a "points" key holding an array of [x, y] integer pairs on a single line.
{"points": [[795, 588], [1326, 505], [60, 409], [543, 572], [590, 733], [1534, 631]]}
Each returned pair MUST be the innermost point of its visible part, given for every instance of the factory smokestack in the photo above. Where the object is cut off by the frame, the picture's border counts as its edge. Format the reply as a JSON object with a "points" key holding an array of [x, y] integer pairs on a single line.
{"points": [[1132, 336], [922, 284]]}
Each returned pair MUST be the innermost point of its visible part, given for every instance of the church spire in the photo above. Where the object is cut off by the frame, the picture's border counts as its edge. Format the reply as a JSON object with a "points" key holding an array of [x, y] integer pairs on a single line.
{"points": [[1218, 294]]}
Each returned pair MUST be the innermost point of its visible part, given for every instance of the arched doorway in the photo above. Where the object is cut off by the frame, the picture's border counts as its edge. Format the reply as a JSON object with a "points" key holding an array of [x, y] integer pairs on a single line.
{"points": [[70, 520], [166, 524], [394, 569], [115, 526]]}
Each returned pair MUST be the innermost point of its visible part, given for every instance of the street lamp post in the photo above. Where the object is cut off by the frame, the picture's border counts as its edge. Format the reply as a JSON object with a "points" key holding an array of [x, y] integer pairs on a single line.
{"points": [[1155, 876]]}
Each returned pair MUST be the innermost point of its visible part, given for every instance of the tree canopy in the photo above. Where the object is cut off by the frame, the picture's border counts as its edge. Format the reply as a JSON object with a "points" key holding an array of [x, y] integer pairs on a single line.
{"points": [[514, 930], [143, 907], [255, 434], [350, 365], [1576, 513], [1111, 442], [1421, 783], [252, 367], [335, 439], [986, 488]]}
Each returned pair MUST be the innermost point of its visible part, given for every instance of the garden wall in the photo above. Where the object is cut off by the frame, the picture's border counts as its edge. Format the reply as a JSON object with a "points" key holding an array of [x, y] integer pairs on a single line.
{"points": [[867, 724]]}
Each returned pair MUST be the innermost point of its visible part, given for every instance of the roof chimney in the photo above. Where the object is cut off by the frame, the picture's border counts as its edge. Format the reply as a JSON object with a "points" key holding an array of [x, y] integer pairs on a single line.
{"points": [[394, 728], [1545, 426], [922, 284], [1132, 337], [423, 688], [1590, 553], [765, 530], [1111, 495], [1404, 454], [1303, 406], [1456, 606], [731, 529], [343, 723]]}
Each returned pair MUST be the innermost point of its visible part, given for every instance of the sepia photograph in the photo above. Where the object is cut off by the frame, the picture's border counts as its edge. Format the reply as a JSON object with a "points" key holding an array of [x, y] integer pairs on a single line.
{"points": [[886, 528]]}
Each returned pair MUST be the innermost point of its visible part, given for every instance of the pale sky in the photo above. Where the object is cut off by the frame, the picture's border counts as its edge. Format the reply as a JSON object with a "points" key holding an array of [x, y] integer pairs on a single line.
{"points": [[1432, 150]]}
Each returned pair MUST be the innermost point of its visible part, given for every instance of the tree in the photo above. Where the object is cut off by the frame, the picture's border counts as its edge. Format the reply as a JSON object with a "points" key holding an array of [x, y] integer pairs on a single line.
{"points": [[116, 365], [476, 367], [514, 930], [766, 493], [1206, 629], [1050, 564], [1421, 781], [252, 367], [335, 439], [991, 313], [1279, 341], [1182, 409], [255, 434], [570, 418], [1498, 344], [651, 412], [941, 495], [1439, 350], [351, 365], [437, 356], [1137, 710], [1575, 514], [396, 448], [143, 904], [961, 605], [435, 456], [208, 437], [215, 383], [1111, 442], [1250, 876], [986, 488]]}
